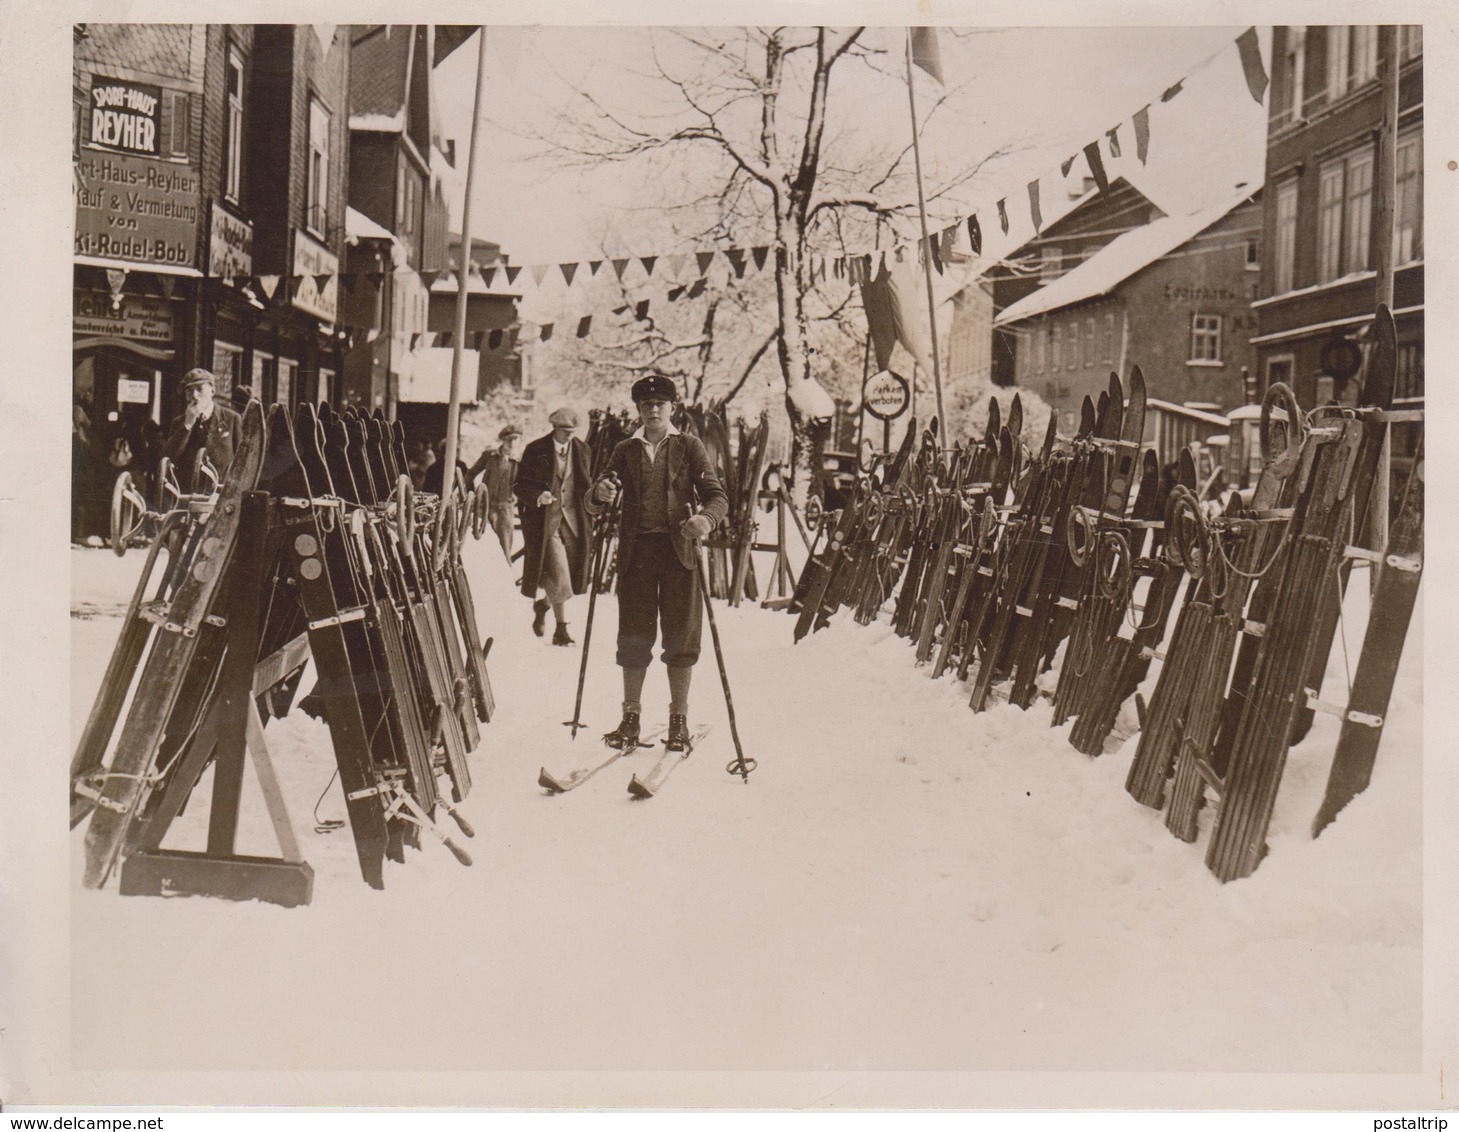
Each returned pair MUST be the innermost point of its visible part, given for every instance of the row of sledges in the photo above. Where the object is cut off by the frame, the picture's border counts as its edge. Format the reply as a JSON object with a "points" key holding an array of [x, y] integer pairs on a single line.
{"points": [[311, 544], [1067, 571]]}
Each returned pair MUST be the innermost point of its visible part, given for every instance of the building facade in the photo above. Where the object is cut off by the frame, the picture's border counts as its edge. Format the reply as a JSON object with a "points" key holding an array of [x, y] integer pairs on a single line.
{"points": [[1318, 285], [1172, 297]]}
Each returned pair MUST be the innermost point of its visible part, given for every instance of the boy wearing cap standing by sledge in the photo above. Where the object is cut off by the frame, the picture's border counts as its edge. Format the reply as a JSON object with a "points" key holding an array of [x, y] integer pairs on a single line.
{"points": [[671, 499], [498, 470], [203, 424], [551, 489]]}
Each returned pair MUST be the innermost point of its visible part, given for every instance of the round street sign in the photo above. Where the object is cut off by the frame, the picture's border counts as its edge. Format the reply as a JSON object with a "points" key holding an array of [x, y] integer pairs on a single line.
{"points": [[885, 395], [1341, 358]]}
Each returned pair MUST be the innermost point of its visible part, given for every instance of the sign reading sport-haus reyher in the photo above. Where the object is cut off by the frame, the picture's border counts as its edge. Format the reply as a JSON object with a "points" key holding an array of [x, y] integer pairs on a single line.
{"points": [[133, 209], [124, 116]]}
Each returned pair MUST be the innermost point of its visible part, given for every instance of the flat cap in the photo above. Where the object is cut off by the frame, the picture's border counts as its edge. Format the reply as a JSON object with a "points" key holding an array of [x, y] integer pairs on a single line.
{"points": [[508, 430], [198, 376], [565, 417]]}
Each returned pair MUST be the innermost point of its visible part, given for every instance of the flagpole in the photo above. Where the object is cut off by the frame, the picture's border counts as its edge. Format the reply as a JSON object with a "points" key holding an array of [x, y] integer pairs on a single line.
{"points": [[926, 246], [463, 273]]}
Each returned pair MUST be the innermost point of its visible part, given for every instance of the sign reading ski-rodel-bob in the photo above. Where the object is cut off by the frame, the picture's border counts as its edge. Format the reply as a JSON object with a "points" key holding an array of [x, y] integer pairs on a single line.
{"points": [[885, 395]]}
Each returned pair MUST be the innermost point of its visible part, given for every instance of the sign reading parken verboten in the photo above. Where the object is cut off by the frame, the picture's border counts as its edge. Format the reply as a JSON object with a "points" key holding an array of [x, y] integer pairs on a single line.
{"points": [[885, 395]]}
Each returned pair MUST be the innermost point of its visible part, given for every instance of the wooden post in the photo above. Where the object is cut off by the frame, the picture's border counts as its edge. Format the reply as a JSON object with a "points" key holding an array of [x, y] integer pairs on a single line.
{"points": [[926, 244], [1385, 171]]}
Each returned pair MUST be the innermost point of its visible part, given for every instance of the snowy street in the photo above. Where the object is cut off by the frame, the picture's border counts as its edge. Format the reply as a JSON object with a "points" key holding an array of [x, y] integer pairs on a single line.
{"points": [[902, 885]]}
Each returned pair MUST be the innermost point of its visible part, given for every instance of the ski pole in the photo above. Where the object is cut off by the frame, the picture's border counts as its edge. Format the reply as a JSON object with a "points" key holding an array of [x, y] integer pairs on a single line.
{"points": [[595, 571], [739, 764]]}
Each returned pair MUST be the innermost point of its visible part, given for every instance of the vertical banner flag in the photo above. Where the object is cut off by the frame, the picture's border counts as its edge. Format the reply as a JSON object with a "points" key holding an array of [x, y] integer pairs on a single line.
{"points": [[1171, 92], [1003, 215], [1033, 206], [584, 325], [975, 234], [1096, 166], [1256, 78], [926, 52], [1114, 141], [1142, 133]]}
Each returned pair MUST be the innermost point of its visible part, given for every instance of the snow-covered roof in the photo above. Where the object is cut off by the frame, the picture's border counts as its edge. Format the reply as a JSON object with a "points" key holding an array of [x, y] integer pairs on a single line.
{"points": [[358, 226], [1121, 258], [380, 123], [445, 284]]}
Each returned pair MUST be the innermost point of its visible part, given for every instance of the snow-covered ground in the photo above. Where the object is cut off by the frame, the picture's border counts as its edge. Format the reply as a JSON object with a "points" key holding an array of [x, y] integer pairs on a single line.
{"points": [[902, 886]]}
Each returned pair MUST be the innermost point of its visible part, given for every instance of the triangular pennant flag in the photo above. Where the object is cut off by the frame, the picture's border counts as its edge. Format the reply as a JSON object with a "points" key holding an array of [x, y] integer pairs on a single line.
{"points": [[1171, 92], [949, 242], [926, 52], [568, 271], [1251, 64], [736, 256], [322, 281], [1068, 164], [414, 341], [1096, 166], [593, 265], [620, 310], [1033, 206], [759, 255], [512, 273], [975, 234], [678, 262], [547, 331], [620, 266], [648, 262], [704, 259], [375, 277], [1003, 215], [240, 281], [539, 273], [1114, 141], [640, 310], [929, 252], [584, 325], [675, 294], [1142, 133], [445, 339], [493, 340], [697, 288], [429, 277], [169, 282], [487, 275]]}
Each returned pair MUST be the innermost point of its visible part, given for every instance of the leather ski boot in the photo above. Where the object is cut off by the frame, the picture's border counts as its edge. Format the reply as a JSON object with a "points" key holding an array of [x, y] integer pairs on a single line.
{"points": [[625, 736], [678, 738], [560, 636], [539, 616]]}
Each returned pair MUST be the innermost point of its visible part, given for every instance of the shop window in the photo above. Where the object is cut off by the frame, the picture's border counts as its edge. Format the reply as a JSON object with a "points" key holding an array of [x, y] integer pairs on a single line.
{"points": [[227, 368], [1205, 338]]}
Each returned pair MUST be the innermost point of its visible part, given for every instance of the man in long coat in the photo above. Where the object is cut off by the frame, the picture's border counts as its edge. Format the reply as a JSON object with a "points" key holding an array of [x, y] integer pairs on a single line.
{"points": [[551, 486], [203, 424]]}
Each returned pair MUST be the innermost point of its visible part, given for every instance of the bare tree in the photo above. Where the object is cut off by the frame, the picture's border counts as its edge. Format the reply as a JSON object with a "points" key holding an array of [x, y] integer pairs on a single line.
{"points": [[755, 104]]}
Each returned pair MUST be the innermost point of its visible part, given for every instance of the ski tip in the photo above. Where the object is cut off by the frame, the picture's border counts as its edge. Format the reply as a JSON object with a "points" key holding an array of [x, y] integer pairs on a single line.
{"points": [[638, 789], [548, 783]]}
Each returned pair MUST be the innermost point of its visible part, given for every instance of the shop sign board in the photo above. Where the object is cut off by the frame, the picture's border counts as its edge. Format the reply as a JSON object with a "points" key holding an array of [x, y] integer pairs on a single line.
{"points": [[137, 210], [141, 318], [125, 116], [313, 259], [230, 244]]}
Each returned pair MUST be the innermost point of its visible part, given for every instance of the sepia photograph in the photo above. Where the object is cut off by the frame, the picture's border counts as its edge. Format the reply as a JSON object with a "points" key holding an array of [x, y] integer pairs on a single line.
{"points": [[626, 563]]}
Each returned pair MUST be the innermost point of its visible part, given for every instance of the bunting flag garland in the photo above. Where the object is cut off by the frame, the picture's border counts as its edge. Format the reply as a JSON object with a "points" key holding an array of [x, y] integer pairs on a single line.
{"points": [[487, 275], [949, 241], [494, 340], [1171, 92], [677, 293], [585, 324], [1096, 166], [568, 271], [322, 281], [975, 234], [445, 339], [677, 263], [640, 310], [620, 266], [1033, 206], [736, 256], [512, 273], [1003, 215], [539, 273], [1114, 141], [1142, 133], [269, 283], [593, 265], [697, 288], [1251, 64], [704, 259], [547, 331], [429, 278], [648, 262], [1068, 164], [760, 255]]}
